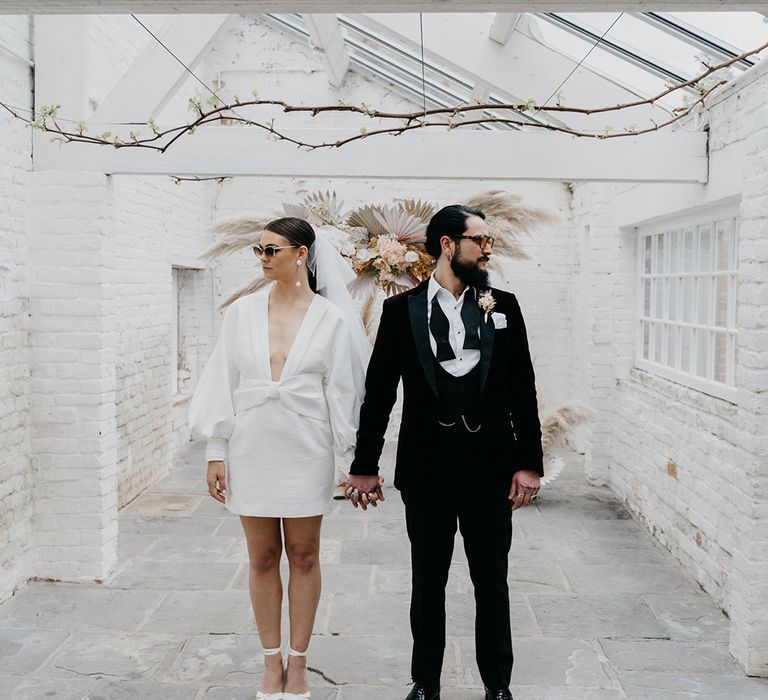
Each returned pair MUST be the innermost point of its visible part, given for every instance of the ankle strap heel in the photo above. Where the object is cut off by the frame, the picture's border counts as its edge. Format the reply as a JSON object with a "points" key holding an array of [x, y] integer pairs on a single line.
{"points": [[297, 696], [260, 695]]}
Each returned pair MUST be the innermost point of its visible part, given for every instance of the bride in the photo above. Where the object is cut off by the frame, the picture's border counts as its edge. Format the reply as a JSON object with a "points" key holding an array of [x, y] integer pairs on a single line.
{"points": [[280, 394]]}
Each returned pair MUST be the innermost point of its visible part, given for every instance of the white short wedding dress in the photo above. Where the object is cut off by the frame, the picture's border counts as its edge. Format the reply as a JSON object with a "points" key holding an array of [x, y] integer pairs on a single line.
{"points": [[278, 438]]}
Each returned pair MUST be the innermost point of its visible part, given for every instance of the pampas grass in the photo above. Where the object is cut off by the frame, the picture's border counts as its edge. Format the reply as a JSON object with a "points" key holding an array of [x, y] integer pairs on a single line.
{"points": [[250, 288], [237, 234], [508, 218], [556, 429]]}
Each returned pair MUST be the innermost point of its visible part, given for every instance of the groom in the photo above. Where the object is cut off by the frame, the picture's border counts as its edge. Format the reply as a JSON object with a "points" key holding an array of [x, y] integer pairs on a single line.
{"points": [[469, 450]]}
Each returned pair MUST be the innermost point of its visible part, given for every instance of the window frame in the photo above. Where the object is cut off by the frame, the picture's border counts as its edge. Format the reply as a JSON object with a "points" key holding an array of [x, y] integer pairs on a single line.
{"points": [[702, 292]]}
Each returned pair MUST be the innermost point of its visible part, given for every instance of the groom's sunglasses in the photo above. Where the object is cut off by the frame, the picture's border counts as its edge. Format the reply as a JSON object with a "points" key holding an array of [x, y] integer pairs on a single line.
{"points": [[269, 250], [482, 241]]}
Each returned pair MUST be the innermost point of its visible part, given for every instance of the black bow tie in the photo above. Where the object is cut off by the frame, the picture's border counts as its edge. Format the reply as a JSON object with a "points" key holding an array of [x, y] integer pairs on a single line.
{"points": [[440, 327]]}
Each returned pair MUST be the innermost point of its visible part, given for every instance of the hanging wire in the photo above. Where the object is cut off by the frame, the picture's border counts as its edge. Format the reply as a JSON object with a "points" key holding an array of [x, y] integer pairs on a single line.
{"points": [[578, 65], [36, 114], [183, 65], [423, 69], [190, 71]]}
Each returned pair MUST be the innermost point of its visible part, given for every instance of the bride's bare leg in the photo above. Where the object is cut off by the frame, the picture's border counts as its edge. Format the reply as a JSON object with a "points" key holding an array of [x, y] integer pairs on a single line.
{"points": [[265, 548], [302, 545]]}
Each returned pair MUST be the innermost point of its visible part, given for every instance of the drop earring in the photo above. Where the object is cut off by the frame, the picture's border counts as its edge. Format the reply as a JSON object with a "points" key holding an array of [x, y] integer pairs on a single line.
{"points": [[298, 281]]}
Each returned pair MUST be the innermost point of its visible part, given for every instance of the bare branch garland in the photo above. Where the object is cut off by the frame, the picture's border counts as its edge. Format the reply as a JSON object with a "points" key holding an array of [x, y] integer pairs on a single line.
{"points": [[218, 112]]}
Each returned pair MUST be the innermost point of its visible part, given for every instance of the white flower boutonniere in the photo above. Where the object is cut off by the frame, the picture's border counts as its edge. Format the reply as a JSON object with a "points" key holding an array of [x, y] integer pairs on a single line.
{"points": [[486, 302]]}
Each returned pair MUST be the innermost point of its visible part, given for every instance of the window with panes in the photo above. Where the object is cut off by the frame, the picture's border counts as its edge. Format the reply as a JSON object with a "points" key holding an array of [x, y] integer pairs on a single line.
{"points": [[687, 300]]}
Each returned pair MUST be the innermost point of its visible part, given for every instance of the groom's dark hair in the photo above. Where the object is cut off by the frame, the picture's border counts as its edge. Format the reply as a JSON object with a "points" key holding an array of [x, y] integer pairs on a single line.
{"points": [[449, 221]]}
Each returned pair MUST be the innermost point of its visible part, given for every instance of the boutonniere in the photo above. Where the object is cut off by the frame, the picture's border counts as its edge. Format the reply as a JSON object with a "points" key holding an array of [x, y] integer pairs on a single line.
{"points": [[486, 302]]}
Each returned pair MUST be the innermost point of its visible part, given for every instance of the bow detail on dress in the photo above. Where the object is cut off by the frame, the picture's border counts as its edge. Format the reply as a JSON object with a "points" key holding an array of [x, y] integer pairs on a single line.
{"points": [[300, 393]]}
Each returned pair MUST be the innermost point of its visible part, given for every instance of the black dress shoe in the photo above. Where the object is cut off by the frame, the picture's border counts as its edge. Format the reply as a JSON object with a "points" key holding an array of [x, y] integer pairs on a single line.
{"points": [[420, 692], [502, 694]]}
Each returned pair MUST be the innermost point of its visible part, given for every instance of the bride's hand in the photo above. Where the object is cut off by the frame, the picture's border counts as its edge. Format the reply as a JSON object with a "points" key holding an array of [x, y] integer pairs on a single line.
{"points": [[364, 490], [217, 480]]}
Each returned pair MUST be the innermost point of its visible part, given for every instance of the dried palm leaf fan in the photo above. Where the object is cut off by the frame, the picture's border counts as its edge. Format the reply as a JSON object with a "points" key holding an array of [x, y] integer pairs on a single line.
{"points": [[418, 209], [365, 217]]}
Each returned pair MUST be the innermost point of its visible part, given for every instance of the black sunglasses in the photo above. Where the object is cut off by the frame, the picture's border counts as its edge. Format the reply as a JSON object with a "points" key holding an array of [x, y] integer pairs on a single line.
{"points": [[269, 250]]}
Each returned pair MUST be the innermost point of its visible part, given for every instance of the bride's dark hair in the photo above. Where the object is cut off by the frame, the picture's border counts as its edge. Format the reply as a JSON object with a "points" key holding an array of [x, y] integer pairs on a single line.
{"points": [[297, 232]]}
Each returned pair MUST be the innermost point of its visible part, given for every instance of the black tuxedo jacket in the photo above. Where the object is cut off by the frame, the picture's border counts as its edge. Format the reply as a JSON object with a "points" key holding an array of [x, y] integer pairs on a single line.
{"points": [[511, 431]]}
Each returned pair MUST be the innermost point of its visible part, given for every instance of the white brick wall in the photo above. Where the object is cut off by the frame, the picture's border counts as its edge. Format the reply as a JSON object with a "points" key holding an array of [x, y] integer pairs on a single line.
{"points": [[711, 512], [749, 600], [88, 418], [157, 224], [15, 468], [73, 333]]}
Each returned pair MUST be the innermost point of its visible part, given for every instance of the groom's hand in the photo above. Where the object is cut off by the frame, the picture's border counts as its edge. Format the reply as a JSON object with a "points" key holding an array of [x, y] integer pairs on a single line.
{"points": [[525, 485], [364, 490]]}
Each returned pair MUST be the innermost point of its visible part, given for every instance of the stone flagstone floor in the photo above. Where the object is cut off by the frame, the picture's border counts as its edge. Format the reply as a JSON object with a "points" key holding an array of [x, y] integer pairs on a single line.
{"points": [[599, 611]]}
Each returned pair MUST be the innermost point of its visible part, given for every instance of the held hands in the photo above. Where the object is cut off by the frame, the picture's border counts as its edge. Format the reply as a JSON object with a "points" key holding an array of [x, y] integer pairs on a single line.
{"points": [[217, 480], [364, 490], [525, 485]]}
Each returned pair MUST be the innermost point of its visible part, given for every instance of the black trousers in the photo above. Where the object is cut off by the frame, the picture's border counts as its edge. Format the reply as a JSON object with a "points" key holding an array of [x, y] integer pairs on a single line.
{"points": [[484, 519]]}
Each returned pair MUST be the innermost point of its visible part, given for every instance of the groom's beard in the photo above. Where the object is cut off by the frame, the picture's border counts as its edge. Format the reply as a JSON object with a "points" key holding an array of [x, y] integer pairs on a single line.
{"points": [[470, 273]]}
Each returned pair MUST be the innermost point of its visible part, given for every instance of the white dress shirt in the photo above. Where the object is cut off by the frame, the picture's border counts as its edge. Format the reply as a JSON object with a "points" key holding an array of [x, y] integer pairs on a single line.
{"points": [[466, 360]]}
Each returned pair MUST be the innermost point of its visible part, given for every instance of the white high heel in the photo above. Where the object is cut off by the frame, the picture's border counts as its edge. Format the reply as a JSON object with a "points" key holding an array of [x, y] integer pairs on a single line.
{"points": [[296, 696], [270, 696]]}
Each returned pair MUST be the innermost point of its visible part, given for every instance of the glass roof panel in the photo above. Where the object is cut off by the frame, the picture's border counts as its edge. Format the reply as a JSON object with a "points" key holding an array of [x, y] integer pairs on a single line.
{"points": [[641, 52], [646, 40], [646, 51], [742, 30], [639, 80]]}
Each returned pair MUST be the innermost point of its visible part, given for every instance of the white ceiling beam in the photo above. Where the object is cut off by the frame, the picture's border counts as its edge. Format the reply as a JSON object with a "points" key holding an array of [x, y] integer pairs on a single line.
{"points": [[504, 24], [325, 33], [15, 7], [467, 155], [154, 77], [61, 65]]}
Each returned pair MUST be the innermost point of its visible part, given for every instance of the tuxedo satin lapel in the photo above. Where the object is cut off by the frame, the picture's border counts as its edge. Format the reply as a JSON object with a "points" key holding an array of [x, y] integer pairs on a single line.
{"points": [[487, 332], [417, 310]]}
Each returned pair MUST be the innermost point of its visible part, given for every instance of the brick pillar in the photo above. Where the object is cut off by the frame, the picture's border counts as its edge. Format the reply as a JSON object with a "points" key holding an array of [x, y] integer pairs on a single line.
{"points": [[603, 330], [749, 578], [73, 426]]}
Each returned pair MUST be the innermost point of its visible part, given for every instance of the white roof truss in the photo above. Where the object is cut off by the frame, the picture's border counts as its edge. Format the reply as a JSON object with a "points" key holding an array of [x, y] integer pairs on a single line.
{"points": [[155, 76], [325, 33], [504, 24]]}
